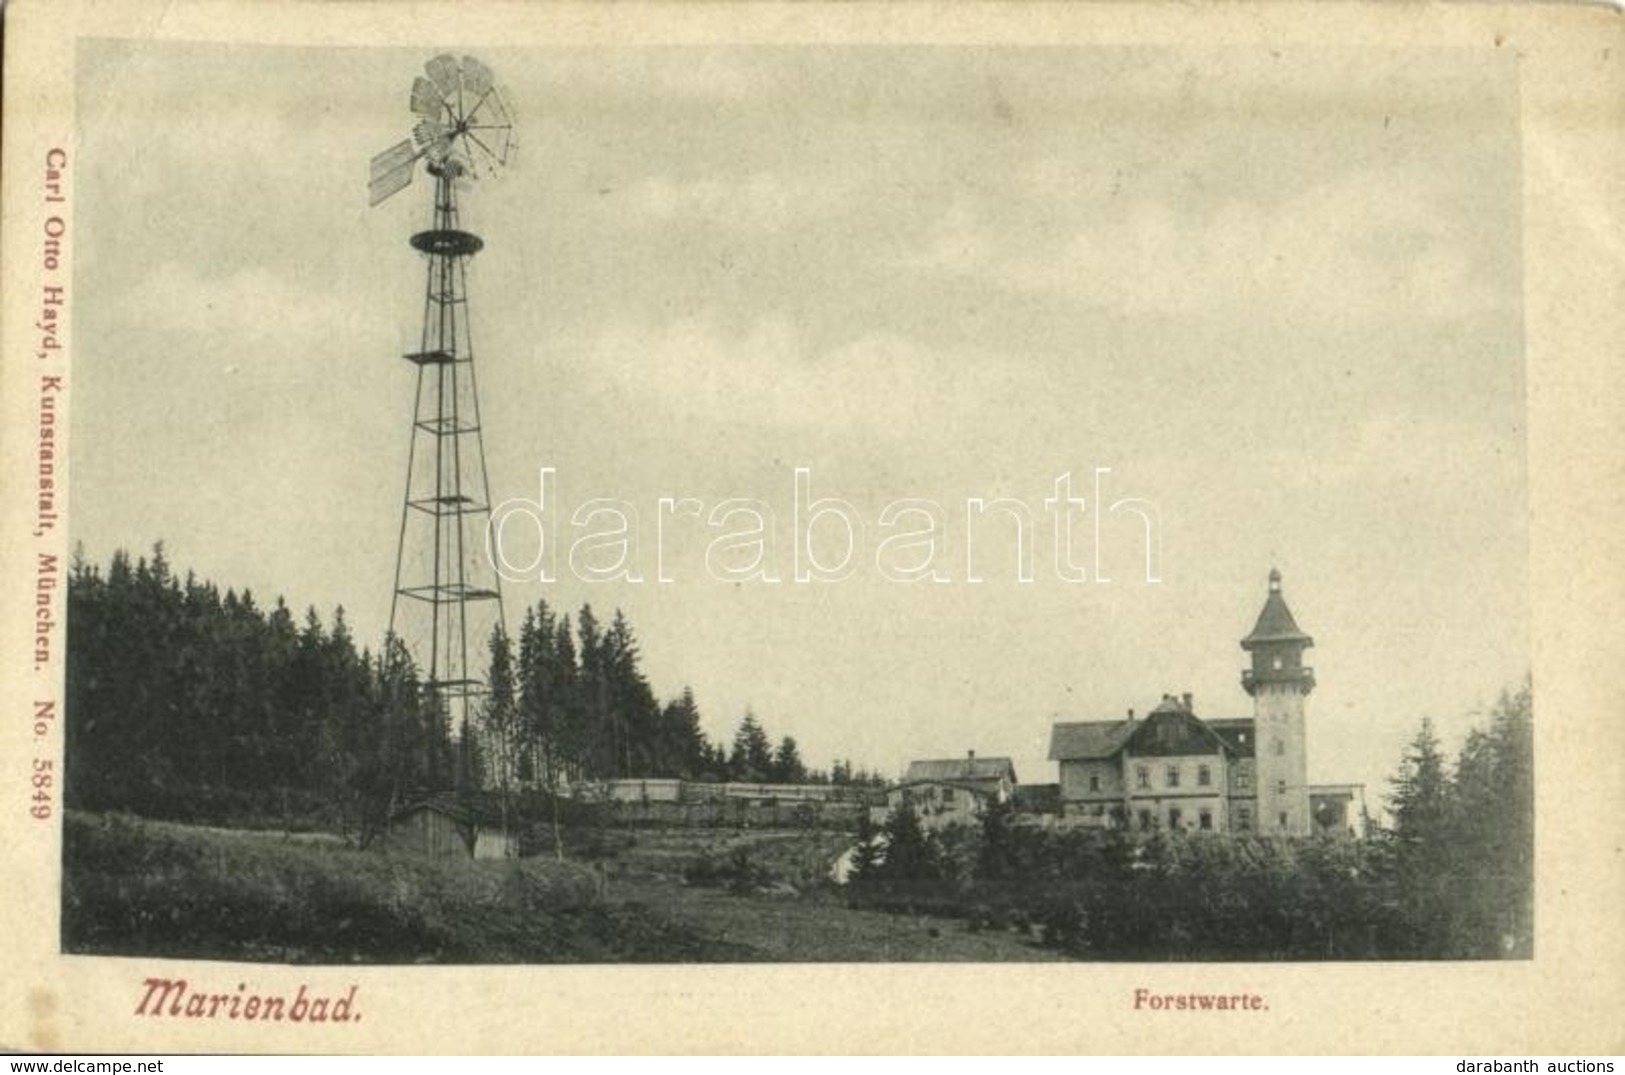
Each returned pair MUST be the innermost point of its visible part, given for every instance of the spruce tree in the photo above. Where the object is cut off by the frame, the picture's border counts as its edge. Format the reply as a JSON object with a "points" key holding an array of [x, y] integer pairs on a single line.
{"points": [[752, 757], [1424, 855], [911, 853], [787, 767], [499, 714]]}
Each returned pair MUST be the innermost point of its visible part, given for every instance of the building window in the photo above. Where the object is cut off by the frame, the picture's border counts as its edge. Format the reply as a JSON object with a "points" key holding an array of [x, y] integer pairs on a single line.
{"points": [[1244, 818], [1146, 822], [1142, 777], [1094, 781], [1204, 776], [1280, 787], [1173, 776], [1244, 780], [1204, 820], [1277, 664], [1283, 819], [1175, 819], [1280, 748]]}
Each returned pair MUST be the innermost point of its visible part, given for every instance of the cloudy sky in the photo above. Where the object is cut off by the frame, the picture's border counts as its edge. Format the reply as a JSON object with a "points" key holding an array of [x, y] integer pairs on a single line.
{"points": [[1277, 294]]}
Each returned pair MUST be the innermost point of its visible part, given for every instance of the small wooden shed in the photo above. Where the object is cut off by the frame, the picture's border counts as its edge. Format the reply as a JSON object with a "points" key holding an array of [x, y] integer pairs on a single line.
{"points": [[448, 824]]}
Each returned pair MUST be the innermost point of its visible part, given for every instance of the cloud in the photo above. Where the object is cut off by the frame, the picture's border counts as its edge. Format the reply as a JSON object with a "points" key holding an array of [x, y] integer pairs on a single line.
{"points": [[758, 201], [881, 383], [957, 243], [1359, 248], [235, 310]]}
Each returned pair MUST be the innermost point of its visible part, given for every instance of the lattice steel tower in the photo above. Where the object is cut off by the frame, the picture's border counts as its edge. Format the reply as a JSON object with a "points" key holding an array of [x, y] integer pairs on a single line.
{"points": [[448, 595]]}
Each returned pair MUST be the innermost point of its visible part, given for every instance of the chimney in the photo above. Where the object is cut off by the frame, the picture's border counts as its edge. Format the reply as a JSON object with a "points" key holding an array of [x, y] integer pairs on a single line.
{"points": [[971, 755], [1187, 700], [1130, 712]]}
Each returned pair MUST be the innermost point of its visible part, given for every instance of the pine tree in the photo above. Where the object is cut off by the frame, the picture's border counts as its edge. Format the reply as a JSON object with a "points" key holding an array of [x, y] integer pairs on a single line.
{"points": [[787, 767], [752, 757], [1423, 848], [911, 853], [1420, 800], [570, 719], [1494, 806], [601, 754], [867, 854], [684, 751], [499, 714], [634, 711]]}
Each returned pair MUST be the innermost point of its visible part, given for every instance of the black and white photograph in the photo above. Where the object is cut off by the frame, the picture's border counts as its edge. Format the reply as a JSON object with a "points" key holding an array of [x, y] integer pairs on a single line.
{"points": [[867, 498]]}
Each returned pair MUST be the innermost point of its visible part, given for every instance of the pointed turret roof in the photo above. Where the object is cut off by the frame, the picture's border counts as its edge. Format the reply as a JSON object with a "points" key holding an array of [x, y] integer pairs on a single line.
{"points": [[1275, 622]]}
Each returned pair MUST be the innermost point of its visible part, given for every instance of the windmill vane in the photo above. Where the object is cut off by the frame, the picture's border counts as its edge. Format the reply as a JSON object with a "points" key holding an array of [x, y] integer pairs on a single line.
{"points": [[461, 123], [447, 595]]}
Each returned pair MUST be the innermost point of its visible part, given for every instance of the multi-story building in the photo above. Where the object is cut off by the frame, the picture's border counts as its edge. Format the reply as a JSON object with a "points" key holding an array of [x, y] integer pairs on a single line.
{"points": [[951, 791], [1173, 770]]}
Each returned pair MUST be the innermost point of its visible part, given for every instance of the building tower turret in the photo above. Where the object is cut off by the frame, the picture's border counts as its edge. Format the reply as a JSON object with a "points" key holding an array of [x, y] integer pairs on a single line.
{"points": [[1279, 683]]}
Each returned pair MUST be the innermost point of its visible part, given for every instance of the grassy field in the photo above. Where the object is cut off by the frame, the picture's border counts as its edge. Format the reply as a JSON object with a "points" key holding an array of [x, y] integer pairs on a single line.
{"points": [[790, 913], [134, 887]]}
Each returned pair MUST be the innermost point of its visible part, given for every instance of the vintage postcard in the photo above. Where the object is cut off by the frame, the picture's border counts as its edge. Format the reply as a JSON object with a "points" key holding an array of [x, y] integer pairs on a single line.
{"points": [[812, 528]]}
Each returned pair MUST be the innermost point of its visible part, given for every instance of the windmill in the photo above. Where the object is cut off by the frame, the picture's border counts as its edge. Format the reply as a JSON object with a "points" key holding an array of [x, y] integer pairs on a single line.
{"points": [[448, 595]]}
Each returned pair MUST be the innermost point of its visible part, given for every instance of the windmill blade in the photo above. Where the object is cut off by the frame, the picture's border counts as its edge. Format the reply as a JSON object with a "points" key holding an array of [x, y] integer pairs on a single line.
{"points": [[428, 130], [490, 128], [489, 110], [490, 146], [443, 71], [425, 98], [476, 76], [390, 171], [434, 137]]}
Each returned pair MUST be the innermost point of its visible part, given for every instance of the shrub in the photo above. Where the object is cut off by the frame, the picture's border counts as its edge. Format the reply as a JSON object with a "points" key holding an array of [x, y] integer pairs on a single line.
{"points": [[734, 872]]}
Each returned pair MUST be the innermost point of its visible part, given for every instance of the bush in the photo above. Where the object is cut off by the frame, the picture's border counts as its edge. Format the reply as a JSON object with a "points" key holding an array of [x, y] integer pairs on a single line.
{"points": [[734, 872]]}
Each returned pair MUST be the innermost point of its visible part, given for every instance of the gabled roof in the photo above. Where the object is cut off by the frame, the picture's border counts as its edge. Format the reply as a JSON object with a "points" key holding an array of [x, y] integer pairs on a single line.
{"points": [[1275, 622], [1171, 728], [1097, 740], [967, 768], [1087, 740], [1237, 733], [482, 809]]}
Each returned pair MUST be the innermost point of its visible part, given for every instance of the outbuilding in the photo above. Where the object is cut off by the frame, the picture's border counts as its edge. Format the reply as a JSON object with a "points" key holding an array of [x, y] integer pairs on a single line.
{"points": [[448, 824]]}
